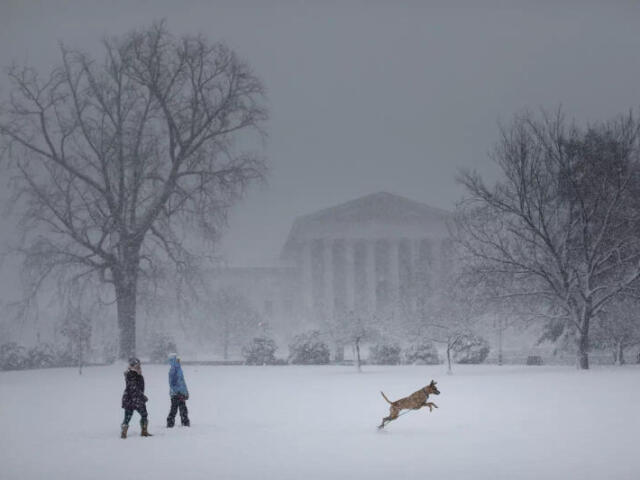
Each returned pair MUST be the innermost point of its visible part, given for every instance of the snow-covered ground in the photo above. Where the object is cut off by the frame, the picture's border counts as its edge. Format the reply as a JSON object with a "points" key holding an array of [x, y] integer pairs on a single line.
{"points": [[320, 423]]}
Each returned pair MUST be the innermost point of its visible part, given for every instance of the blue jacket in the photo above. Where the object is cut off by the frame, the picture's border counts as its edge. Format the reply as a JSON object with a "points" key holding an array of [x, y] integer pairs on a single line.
{"points": [[177, 385]]}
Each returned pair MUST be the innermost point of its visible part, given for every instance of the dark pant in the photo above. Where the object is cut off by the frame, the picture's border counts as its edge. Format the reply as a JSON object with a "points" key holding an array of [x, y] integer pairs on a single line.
{"points": [[144, 419], [177, 401]]}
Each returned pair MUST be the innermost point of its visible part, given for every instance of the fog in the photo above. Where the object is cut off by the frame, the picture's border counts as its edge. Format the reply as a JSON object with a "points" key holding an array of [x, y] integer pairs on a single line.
{"points": [[351, 265], [363, 97], [367, 97]]}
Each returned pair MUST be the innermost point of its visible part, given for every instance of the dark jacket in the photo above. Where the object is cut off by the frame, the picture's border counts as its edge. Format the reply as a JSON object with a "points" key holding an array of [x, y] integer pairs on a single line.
{"points": [[133, 396]]}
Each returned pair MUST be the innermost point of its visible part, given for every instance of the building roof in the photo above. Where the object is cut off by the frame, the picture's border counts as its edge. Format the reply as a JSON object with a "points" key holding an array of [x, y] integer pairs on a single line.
{"points": [[379, 215]]}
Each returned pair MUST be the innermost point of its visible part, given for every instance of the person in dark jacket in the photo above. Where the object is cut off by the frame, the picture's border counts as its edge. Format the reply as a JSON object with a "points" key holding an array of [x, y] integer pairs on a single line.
{"points": [[134, 398], [178, 393]]}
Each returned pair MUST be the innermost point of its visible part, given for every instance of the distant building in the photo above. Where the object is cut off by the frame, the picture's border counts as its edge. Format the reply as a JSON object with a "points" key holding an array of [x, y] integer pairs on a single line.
{"points": [[361, 256], [365, 254]]}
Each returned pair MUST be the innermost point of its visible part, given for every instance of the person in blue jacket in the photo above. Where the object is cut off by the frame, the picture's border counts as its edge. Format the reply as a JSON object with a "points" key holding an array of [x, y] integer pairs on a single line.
{"points": [[178, 392]]}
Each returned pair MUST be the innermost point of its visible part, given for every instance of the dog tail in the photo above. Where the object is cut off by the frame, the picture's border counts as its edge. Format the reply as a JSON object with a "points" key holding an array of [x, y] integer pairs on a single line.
{"points": [[385, 397]]}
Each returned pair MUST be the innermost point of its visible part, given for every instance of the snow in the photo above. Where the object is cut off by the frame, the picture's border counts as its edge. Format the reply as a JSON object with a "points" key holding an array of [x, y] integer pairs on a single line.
{"points": [[291, 422]]}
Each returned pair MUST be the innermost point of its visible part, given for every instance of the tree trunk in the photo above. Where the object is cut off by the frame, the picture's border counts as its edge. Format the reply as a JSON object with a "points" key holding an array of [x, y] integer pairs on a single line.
{"points": [[126, 286], [339, 352], [449, 371], [225, 340], [583, 350], [620, 354], [81, 361], [358, 355], [582, 360], [500, 342]]}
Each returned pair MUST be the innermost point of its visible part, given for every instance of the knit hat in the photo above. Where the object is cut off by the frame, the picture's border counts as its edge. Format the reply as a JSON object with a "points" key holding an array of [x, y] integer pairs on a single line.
{"points": [[134, 362]]}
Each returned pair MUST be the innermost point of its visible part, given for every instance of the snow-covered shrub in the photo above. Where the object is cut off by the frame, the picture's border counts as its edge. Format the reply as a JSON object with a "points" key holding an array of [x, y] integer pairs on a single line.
{"points": [[385, 354], [308, 349], [260, 351], [422, 352], [65, 357], [16, 357], [470, 349], [42, 356], [161, 347], [534, 360], [12, 356]]}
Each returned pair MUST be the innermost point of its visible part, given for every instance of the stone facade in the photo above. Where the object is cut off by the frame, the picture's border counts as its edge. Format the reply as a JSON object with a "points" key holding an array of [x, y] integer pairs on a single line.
{"points": [[366, 254], [362, 256]]}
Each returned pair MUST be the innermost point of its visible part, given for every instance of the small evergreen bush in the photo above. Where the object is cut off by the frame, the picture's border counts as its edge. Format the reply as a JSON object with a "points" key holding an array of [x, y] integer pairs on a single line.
{"points": [[12, 356], [260, 351], [385, 354], [65, 357], [42, 356], [422, 352], [308, 349], [470, 349]]}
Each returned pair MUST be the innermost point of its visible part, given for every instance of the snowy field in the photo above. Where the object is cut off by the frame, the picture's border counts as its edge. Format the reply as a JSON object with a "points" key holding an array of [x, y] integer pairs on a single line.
{"points": [[320, 423]]}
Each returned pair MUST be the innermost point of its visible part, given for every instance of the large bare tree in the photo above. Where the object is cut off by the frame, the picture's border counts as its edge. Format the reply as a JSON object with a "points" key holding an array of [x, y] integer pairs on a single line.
{"points": [[114, 159], [559, 229]]}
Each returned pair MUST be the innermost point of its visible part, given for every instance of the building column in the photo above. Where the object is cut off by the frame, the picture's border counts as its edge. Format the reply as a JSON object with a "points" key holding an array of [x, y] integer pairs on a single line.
{"points": [[418, 290], [394, 270], [371, 276], [307, 277], [327, 260], [350, 270]]}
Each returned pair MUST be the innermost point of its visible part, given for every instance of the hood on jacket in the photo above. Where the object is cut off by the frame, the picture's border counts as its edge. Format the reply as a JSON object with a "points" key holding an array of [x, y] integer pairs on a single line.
{"points": [[174, 361]]}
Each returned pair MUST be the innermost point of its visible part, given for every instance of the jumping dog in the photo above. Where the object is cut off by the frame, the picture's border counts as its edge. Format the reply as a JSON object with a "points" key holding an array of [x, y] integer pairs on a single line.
{"points": [[415, 401]]}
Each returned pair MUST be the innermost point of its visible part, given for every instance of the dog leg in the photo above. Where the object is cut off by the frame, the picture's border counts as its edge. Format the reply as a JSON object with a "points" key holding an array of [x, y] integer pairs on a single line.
{"points": [[431, 405], [393, 414], [386, 420]]}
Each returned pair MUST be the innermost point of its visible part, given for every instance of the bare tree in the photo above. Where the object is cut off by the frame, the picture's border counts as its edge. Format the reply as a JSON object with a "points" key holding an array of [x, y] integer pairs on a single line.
{"points": [[351, 328], [356, 331], [233, 319], [560, 228], [76, 327], [618, 327], [114, 159], [450, 314]]}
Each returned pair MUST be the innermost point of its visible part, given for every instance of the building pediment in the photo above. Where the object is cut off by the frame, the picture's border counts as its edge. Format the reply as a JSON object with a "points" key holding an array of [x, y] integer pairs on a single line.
{"points": [[379, 215]]}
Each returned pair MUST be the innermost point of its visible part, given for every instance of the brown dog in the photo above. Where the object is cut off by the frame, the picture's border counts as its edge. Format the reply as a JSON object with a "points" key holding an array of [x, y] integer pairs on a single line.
{"points": [[415, 401]]}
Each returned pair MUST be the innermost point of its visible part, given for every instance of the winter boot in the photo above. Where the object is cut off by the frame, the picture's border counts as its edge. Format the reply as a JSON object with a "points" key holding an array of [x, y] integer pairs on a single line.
{"points": [[184, 419], [170, 422], [144, 432], [123, 431]]}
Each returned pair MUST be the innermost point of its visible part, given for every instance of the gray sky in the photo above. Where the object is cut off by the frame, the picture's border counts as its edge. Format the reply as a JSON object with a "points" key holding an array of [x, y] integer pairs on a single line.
{"points": [[367, 97]]}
